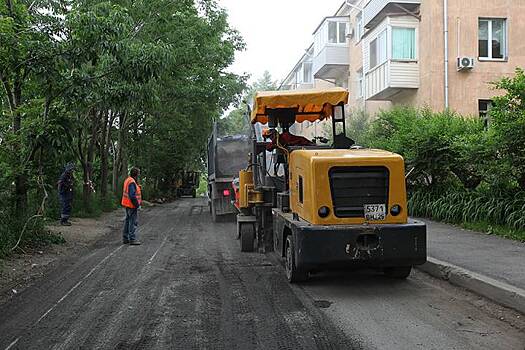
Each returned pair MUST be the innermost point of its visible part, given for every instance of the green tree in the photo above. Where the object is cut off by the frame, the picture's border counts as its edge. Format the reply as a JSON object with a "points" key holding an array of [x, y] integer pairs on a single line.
{"points": [[109, 83], [236, 122], [508, 123]]}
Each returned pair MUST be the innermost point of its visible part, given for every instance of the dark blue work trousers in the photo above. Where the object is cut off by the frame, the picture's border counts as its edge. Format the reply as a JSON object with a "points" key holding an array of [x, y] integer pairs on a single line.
{"points": [[130, 224], [66, 198]]}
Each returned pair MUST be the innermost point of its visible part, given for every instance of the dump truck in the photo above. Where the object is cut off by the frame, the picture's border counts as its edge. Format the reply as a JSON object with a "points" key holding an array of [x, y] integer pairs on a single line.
{"points": [[227, 155], [188, 183], [323, 206]]}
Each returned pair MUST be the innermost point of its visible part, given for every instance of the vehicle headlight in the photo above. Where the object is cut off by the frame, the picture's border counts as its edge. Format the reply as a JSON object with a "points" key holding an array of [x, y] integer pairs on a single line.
{"points": [[395, 210], [323, 211]]}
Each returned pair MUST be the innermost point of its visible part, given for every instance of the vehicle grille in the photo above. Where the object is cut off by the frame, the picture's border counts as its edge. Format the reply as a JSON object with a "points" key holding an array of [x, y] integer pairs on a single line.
{"points": [[353, 187]]}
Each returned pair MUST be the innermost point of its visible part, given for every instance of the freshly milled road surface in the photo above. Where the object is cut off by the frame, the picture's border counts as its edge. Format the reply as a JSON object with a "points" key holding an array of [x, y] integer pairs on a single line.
{"points": [[189, 287]]}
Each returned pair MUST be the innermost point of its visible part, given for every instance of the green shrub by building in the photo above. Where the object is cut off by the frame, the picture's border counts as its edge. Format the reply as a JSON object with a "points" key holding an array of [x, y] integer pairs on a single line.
{"points": [[460, 170]]}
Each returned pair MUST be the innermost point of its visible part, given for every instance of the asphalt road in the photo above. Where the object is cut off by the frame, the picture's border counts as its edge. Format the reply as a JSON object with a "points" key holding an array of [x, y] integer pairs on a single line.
{"points": [[189, 287]]}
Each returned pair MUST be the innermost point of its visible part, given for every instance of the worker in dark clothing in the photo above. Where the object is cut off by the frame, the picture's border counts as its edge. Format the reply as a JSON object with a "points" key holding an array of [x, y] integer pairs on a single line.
{"points": [[65, 192], [131, 200]]}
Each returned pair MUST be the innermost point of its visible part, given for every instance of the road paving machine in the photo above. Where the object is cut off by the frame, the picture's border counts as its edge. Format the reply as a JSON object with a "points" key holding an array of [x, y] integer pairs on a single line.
{"points": [[321, 206]]}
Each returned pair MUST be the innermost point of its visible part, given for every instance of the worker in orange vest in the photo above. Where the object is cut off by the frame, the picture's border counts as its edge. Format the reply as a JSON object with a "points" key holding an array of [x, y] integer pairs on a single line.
{"points": [[131, 200]]}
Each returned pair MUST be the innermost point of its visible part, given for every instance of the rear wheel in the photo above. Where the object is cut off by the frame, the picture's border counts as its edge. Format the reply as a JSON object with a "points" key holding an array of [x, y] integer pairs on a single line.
{"points": [[399, 272], [293, 274], [194, 193], [212, 209], [247, 237]]}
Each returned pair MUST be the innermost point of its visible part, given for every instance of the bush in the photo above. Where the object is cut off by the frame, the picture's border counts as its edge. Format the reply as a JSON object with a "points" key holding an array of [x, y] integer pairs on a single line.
{"points": [[508, 124], [439, 147], [357, 127], [35, 235], [462, 172]]}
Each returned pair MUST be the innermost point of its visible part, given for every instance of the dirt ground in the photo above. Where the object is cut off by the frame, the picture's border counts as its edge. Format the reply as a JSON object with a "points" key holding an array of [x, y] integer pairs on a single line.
{"points": [[21, 270]]}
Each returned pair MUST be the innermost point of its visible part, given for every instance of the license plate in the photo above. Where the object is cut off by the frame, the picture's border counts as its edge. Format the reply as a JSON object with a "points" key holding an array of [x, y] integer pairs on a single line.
{"points": [[375, 212]]}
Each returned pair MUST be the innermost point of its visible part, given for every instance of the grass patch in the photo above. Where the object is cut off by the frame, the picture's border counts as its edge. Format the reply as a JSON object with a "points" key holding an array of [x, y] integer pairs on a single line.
{"points": [[483, 211], [35, 237]]}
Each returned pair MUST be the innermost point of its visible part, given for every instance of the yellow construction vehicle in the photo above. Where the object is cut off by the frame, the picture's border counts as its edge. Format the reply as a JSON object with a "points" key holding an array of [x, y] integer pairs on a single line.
{"points": [[323, 206]]}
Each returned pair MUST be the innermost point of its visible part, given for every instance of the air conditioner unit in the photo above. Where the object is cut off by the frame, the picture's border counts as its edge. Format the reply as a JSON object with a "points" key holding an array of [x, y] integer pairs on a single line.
{"points": [[465, 63]]}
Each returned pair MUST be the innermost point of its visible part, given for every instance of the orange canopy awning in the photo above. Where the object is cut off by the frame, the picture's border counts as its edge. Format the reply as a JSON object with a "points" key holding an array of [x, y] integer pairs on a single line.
{"points": [[311, 104]]}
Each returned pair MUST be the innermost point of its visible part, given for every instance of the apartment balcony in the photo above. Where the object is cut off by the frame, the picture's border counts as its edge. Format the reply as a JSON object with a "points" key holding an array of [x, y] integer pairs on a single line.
{"points": [[385, 81], [331, 52], [376, 10], [332, 62]]}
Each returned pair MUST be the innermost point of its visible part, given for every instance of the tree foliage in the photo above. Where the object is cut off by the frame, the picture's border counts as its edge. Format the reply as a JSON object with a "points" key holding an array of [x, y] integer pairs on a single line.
{"points": [[108, 84], [236, 121], [508, 123]]}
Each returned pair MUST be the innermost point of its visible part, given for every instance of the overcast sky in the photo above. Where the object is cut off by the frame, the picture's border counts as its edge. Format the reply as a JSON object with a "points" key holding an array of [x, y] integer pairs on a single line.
{"points": [[276, 32]]}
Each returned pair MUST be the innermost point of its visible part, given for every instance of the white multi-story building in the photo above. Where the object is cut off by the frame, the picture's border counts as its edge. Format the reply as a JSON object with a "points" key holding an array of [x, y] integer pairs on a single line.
{"points": [[434, 53]]}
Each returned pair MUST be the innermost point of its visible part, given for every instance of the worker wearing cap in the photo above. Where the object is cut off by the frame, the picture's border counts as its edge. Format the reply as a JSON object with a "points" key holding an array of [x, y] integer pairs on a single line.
{"points": [[131, 200]]}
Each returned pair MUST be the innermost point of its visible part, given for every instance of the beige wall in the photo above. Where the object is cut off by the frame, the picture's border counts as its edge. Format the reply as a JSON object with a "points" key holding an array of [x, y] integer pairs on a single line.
{"points": [[466, 87]]}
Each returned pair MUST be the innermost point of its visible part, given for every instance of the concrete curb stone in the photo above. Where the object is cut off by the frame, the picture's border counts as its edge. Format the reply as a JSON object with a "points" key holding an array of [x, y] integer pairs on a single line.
{"points": [[500, 292]]}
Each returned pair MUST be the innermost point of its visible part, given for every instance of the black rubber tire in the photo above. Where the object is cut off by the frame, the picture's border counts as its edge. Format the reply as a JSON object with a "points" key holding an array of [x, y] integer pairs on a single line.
{"points": [[247, 237], [398, 272], [293, 274], [194, 193]]}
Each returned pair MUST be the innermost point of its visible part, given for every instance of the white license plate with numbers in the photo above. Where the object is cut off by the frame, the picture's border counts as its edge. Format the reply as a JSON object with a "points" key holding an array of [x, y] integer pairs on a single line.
{"points": [[375, 212]]}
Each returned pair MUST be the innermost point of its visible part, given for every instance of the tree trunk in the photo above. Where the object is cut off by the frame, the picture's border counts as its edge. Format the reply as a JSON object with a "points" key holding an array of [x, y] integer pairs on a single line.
{"points": [[120, 167], [90, 157], [115, 170], [104, 152], [83, 163], [21, 185]]}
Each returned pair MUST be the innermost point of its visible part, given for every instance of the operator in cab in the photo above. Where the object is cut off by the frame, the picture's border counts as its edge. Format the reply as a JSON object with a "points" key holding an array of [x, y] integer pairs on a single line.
{"points": [[284, 139]]}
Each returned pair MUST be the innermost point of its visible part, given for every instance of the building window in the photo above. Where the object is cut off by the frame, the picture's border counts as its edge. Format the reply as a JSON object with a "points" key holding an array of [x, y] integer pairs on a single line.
{"points": [[342, 32], [336, 32], [403, 43], [358, 27], [378, 50], [307, 72], [492, 38], [484, 110], [360, 85], [332, 32]]}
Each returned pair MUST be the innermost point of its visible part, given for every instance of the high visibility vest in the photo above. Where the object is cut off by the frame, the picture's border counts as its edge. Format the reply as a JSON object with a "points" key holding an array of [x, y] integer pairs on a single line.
{"points": [[126, 201]]}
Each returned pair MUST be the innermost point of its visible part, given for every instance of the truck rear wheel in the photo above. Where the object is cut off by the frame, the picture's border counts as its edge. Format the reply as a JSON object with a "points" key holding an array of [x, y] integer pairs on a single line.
{"points": [[212, 210], [247, 237], [293, 274], [399, 272]]}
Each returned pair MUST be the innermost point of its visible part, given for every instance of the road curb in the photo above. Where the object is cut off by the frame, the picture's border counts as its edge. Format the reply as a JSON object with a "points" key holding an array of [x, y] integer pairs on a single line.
{"points": [[500, 292]]}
